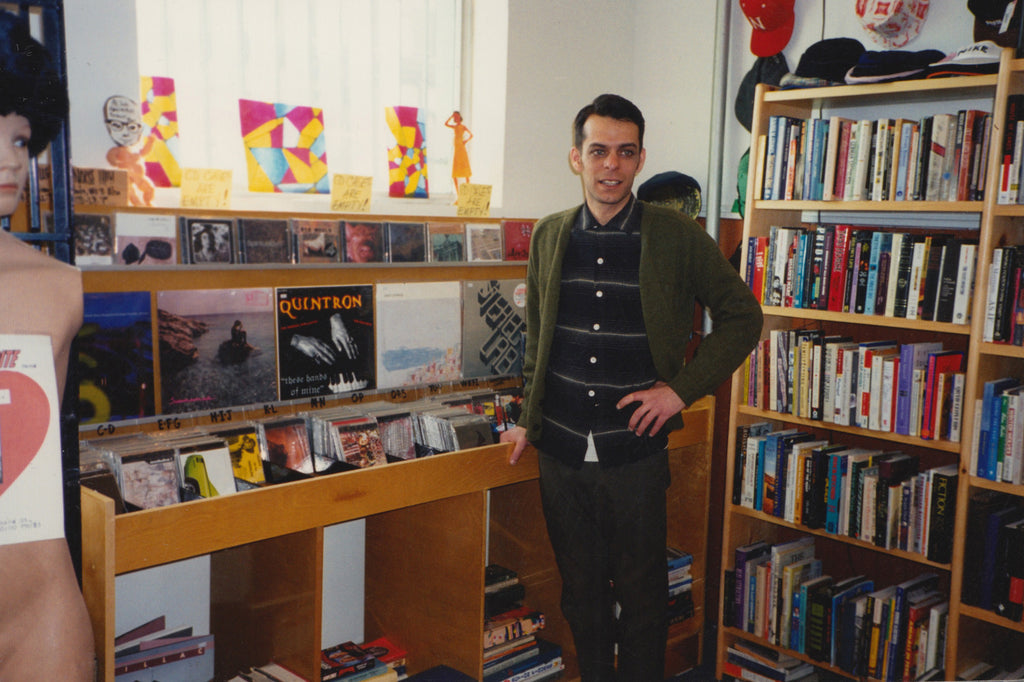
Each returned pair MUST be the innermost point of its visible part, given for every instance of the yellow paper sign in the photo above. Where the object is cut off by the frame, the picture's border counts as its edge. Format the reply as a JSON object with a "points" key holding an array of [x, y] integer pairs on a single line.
{"points": [[351, 193], [474, 200], [205, 188], [100, 187]]}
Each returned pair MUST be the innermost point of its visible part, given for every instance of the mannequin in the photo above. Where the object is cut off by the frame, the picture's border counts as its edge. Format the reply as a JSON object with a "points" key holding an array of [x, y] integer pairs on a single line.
{"points": [[45, 632]]}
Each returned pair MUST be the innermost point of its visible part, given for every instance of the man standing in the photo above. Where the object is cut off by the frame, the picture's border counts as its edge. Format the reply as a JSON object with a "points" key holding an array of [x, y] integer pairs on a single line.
{"points": [[611, 291]]}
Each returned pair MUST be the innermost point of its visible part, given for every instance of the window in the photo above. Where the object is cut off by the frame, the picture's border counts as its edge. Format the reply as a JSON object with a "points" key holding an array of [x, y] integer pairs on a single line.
{"points": [[352, 58]]}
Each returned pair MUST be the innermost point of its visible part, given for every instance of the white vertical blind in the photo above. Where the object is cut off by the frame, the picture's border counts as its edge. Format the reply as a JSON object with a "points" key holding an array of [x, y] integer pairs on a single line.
{"points": [[352, 58]]}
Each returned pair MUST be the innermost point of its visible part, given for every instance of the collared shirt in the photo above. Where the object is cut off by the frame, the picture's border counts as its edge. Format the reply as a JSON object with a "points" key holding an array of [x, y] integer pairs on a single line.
{"points": [[599, 351]]}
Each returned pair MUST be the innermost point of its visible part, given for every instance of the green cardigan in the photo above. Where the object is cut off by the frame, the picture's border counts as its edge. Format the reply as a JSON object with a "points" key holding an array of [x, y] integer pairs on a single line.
{"points": [[679, 264]]}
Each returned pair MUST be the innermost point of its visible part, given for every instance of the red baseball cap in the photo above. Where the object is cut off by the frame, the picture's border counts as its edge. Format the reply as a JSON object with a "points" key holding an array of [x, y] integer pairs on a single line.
{"points": [[772, 21]]}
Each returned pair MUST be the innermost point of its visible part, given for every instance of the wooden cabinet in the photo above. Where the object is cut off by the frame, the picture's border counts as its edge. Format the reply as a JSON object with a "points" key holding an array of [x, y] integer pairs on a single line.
{"points": [[432, 524], [844, 556]]}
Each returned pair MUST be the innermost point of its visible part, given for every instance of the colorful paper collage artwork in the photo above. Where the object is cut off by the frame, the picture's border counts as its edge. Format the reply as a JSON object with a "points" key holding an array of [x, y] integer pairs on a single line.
{"points": [[159, 110], [407, 160], [285, 149]]}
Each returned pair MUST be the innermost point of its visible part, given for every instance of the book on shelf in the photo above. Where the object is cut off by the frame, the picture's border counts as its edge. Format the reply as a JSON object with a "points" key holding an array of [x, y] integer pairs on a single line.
{"points": [[509, 625], [547, 664], [340, 661]]}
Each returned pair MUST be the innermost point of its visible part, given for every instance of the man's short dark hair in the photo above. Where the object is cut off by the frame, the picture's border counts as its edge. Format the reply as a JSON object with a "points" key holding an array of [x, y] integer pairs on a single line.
{"points": [[29, 83], [611, 106]]}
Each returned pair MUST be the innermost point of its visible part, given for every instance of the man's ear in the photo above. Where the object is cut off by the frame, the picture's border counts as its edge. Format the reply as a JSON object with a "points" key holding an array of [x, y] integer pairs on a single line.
{"points": [[643, 158], [575, 160]]}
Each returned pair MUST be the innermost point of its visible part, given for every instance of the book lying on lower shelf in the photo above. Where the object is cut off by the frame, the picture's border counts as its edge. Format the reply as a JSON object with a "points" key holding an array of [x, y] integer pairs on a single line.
{"points": [[546, 663], [153, 652]]}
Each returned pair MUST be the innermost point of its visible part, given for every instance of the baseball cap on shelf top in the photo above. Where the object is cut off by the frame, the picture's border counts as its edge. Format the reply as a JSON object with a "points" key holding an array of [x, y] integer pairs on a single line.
{"points": [[892, 23], [826, 62], [996, 20], [772, 23]]}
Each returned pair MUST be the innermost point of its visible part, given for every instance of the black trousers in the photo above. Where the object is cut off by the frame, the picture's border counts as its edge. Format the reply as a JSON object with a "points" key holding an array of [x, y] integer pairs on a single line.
{"points": [[607, 527]]}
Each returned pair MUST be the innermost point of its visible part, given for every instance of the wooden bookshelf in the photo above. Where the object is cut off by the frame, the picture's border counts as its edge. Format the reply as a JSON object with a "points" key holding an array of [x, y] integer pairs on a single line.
{"points": [[971, 633]]}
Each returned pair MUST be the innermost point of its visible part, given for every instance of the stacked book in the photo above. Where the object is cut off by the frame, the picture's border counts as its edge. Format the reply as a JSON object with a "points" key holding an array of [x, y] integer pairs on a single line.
{"points": [[935, 158], [880, 497], [680, 585], [870, 271], [512, 649], [379, 660]]}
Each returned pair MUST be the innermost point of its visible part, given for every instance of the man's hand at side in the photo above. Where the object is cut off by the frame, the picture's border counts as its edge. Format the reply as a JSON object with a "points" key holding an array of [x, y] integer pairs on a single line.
{"points": [[517, 436], [657, 404]]}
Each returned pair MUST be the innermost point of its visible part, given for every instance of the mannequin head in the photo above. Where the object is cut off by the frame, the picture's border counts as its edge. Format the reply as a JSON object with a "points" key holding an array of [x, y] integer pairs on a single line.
{"points": [[29, 83], [32, 105]]}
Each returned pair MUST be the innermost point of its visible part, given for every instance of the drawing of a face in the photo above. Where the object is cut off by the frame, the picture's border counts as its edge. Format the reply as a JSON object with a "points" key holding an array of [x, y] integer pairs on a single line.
{"points": [[123, 120], [362, 243]]}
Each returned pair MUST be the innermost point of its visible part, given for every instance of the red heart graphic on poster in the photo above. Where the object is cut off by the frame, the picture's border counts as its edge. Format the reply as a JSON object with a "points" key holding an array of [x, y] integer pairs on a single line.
{"points": [[24, 419]]}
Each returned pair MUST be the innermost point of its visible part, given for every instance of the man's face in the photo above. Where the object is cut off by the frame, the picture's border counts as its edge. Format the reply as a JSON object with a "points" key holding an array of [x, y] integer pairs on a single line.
{"points": [[608, 163]]}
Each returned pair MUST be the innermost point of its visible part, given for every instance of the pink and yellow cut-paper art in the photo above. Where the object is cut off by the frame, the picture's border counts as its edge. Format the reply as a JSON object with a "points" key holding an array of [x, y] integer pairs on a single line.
{"points": [[159, 109], [407, 160], [285, 149]]}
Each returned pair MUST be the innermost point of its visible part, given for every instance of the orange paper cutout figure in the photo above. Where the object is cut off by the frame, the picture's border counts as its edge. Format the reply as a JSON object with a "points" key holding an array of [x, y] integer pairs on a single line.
{"points": [[124, 124], [460, 161]]}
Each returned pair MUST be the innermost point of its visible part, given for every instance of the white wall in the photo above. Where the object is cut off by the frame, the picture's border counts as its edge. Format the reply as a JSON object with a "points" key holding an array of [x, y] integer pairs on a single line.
{"points": [[563, 54]]}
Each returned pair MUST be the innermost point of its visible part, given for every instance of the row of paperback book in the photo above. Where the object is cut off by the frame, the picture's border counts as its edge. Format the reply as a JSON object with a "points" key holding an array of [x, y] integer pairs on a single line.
{"points": [[867, 271], [935, 158], [879, 497], [141, 471], [782, 594], [998, 439], [1004, 300], [513, 650], [379, 660], [126, 238], [913, 389], [994, 554], [221, 348]]}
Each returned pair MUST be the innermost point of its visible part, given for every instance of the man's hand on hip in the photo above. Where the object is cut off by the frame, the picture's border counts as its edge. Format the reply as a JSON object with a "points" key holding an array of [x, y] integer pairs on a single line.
{"points": [[657, 404]]}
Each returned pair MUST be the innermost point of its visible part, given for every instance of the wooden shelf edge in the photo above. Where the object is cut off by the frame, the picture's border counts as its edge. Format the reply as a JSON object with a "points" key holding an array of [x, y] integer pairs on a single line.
{"points": [[159, 536], [922, 85], [946, 446], [736, 633], [990, 617], [845, 539], [866, 320], [871, 206]]}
